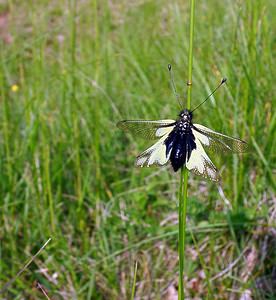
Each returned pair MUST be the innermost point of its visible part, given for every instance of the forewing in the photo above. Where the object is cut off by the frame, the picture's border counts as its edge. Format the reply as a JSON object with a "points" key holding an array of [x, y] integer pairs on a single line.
{"points": [[218, 142], [147, 129], [200, 163]]}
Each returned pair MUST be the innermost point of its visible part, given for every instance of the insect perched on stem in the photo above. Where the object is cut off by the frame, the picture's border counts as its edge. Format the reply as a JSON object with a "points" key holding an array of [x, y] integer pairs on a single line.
{"points": [[181, 141]]}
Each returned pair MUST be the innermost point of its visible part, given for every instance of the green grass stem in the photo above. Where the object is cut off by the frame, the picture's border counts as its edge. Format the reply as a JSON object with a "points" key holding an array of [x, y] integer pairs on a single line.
{"points": [[191, 42], [183, 191], [96, 147]]}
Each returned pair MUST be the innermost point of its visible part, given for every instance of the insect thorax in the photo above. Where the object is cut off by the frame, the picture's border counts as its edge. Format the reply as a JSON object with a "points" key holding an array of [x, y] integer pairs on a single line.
{"points": [[183, 126]]}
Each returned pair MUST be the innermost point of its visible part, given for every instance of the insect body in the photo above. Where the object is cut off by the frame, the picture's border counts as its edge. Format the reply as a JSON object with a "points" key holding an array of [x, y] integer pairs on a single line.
{"points": [[181, 142]]}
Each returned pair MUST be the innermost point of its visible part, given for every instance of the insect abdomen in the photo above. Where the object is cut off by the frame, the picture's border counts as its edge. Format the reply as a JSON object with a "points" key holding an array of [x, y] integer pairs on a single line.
{"points": [[181, 146], [178, 156]]}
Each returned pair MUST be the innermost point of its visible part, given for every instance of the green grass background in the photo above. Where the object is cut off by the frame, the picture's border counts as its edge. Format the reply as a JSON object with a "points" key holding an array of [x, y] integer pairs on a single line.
{"points": [[68, 173]]}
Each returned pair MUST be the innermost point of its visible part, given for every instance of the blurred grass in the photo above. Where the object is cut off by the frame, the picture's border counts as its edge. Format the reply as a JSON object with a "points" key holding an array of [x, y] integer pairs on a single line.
{"points": [[68, 173]]}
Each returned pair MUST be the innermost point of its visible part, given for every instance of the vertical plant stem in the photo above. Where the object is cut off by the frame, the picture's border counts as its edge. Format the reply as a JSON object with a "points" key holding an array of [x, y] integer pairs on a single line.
{"points": [[191, 42], [182, 212], [134, 282], [74, 118], [183, 190], [48, 187], [96, 142]]}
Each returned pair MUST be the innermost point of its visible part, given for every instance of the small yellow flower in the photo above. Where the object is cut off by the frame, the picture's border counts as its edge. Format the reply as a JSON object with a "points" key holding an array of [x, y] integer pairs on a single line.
{"points": [[14, 88]]}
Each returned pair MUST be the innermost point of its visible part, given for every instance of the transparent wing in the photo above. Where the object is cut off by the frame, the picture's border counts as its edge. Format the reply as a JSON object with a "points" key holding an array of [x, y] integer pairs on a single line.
{"points": [[200, 163], [218, 142], [147, 129]]}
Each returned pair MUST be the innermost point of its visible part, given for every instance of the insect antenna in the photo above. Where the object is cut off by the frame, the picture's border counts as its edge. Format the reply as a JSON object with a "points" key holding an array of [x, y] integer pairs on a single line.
{"points": [[221, 83], [173, 86]]}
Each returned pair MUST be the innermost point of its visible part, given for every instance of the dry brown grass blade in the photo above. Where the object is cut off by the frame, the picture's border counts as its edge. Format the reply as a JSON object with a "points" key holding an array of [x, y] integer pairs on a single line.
{"points": [[24, 268]]}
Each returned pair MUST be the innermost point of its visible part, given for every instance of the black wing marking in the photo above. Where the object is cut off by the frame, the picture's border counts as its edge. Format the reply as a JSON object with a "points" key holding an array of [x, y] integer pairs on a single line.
{"points": [[218, 142], [146, 128]]}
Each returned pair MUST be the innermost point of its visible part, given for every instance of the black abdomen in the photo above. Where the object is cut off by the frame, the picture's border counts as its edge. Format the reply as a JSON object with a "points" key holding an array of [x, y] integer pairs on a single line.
{"points": [[181, 146]]}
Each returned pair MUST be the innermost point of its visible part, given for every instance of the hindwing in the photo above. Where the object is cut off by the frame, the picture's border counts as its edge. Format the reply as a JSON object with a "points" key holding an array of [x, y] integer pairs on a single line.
{"points": [[200, 163]]}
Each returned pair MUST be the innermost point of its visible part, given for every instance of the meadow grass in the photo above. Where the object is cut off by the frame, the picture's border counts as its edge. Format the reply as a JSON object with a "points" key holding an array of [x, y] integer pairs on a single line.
{"points": [[67, 172]]}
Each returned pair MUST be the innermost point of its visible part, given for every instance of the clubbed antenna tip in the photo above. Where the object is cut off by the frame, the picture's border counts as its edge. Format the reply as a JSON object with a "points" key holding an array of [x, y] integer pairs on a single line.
{"points": [[221, 83]]}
